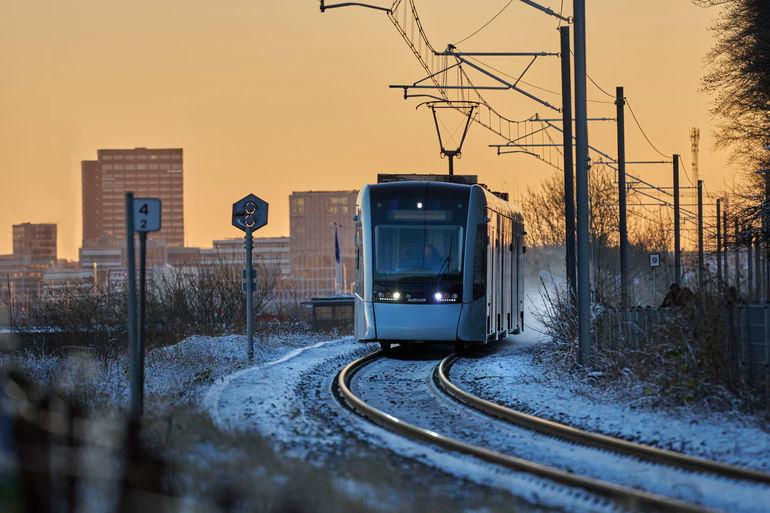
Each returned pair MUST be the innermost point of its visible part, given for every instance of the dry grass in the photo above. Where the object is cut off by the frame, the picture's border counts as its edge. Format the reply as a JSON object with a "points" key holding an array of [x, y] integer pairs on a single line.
{"points": [[689, 356], [204, 468], [240, 471]]}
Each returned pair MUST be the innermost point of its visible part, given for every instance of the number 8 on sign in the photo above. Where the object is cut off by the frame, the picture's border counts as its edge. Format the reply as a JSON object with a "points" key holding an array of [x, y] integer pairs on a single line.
{"points": [[146, 214]]}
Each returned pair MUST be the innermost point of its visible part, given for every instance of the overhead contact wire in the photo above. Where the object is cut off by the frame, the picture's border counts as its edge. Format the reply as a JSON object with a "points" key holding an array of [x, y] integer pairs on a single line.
{"points": [[639, 125], [493, 18]]}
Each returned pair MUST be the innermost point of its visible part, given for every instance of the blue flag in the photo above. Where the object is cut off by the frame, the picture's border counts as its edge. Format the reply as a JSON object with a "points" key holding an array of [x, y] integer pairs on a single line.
{"points": [[336, 246]]}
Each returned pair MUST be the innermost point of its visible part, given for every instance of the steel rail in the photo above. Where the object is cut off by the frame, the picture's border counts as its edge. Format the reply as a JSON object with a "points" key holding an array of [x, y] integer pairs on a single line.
{"points": [[572, 434], [631, 498]]}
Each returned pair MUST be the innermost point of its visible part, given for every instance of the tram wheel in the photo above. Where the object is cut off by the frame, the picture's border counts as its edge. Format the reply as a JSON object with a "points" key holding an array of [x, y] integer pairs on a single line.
{"points": [[385, 347]]}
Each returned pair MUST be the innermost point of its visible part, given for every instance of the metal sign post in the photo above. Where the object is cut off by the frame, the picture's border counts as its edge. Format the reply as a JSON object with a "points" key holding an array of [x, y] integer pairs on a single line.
{"points": [[249, 277], [249, 215], [654, 264], [133, 354], [142, 216]]}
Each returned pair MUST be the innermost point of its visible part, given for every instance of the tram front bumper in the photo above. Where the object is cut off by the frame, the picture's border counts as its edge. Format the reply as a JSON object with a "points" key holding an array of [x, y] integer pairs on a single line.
{"points": [[417, 322]]}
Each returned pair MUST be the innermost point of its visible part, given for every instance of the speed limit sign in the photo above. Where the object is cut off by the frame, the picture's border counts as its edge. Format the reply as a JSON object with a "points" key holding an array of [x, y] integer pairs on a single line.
{"points": [[654, 259]]}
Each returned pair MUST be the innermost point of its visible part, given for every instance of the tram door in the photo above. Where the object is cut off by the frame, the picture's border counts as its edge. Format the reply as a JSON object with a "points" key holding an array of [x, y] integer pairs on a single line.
{"points": [[491, 271], [520, 280], [500, 273], [507, 273], [517, 290]]}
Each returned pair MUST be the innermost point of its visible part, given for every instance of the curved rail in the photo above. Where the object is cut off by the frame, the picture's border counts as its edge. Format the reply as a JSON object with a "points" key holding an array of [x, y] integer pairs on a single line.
{"points": [[630, 498], [555, 429]]}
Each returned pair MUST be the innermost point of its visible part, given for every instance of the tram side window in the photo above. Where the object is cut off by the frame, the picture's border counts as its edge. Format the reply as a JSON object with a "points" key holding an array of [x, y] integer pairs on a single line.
{"points": [[480, 263]]}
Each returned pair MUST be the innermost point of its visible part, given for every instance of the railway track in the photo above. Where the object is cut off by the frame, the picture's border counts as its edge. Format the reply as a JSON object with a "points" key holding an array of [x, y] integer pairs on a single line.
{"points": [[627, 497], [618, 445]]}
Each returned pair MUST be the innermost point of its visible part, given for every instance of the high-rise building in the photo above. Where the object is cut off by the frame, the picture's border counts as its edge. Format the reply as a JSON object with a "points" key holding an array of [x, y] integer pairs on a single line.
{"points": [[35, 242], [156, 173], [313, 216]]}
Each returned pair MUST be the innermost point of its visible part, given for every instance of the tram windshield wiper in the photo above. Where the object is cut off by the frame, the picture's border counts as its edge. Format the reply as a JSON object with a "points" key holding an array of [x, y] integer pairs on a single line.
{"points": [[444, 269]]}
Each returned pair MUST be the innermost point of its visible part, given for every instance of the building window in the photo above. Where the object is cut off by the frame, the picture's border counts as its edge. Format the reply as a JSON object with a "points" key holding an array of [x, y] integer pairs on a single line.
{"points": [[338, 204], [298, 206]]}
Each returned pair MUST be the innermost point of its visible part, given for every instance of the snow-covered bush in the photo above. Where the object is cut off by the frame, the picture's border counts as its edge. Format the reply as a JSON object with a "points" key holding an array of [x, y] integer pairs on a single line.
{"points": [[180, 302], [679, 355]]}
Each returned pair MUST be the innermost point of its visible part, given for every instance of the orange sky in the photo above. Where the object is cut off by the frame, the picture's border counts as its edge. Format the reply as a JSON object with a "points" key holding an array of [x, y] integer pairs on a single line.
{"points": [[271, 97]]}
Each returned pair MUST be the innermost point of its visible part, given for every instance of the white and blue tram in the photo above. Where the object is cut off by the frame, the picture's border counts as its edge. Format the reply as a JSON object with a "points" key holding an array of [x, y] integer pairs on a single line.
{"points": [[437, 261]]}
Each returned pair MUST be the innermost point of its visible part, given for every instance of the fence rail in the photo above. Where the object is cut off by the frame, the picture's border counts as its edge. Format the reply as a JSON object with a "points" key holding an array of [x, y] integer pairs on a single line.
{"points": [[746, 332]]}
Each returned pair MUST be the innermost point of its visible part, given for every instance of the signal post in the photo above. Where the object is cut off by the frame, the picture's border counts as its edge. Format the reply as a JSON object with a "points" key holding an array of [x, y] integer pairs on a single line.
{"points": [[249, 215]]}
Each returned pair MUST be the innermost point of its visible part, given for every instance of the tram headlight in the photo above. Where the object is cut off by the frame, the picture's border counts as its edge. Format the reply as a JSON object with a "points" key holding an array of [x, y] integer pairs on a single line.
{"points": [[396, 295], [438, 296]]}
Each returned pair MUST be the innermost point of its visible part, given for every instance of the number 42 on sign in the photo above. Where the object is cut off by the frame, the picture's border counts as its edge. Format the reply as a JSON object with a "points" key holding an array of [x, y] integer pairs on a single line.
{"points": [[146, 214]]}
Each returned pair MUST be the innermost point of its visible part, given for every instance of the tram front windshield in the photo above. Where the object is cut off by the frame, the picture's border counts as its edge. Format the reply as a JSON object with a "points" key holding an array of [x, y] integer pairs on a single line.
{"points": [[419, 235]]}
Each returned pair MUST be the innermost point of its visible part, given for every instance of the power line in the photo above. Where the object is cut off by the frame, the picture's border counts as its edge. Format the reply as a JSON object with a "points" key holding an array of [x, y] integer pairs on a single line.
{"points": [[681, 161], [599, 87], [493, 18], [644, 133], [530, 84], [511, 76]]}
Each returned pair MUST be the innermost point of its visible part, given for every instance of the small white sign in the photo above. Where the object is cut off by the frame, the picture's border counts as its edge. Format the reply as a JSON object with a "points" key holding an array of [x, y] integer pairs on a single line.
{"points": [[146, 214], [654, 259]]}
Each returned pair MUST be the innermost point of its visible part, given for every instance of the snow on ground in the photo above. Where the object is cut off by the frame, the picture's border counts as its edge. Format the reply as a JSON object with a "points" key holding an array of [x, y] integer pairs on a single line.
{"points": [[178, 373], [507, 374], [297, 401], [290, 401], [285, 394], [402, 386]]}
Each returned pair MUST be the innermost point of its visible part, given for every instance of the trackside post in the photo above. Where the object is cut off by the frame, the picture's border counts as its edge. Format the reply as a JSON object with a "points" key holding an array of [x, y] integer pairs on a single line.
{"points": [[142, 216], [249, 215]]}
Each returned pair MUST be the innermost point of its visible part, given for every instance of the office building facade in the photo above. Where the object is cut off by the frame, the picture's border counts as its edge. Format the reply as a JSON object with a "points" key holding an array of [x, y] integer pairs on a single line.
{"points": [[35, 242], [147, 172], [313, 216], [270, 252]]}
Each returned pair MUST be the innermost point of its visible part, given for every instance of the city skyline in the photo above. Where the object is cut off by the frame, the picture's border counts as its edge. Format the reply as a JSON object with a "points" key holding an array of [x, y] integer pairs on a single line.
{"points": [[256, 111]]}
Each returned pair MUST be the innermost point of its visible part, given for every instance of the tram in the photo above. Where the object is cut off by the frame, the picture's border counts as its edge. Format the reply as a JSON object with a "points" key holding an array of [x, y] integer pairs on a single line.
{"points": [[437, 261]]}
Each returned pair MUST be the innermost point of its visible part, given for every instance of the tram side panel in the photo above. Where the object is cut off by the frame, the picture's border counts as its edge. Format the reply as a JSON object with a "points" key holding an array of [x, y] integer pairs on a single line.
{"points": [[364, 323], [472, 326]]}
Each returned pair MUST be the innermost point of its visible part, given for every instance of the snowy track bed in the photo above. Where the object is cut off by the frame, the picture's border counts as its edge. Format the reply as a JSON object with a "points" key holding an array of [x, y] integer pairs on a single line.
{"points": [[508, 375], [290, 401], [402, 386]]}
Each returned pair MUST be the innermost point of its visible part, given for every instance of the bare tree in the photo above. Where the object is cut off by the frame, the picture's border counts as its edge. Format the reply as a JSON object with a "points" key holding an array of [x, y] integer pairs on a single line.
{"points": [[544, 210], [739, 79]]}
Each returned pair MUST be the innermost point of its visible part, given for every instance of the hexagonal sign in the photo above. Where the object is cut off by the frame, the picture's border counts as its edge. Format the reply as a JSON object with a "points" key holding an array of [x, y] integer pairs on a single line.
{"points": [[250, 213]]}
